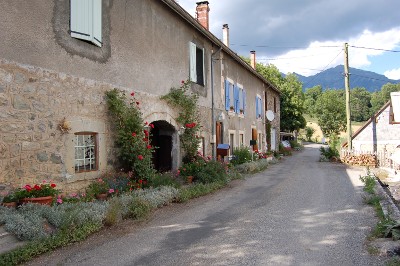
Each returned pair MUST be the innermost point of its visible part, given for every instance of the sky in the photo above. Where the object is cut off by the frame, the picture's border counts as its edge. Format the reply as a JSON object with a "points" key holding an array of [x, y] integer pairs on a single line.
{"points": [[308, 36]]}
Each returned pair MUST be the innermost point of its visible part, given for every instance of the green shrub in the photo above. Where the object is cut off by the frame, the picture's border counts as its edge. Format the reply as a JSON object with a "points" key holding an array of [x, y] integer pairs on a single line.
{"points": [[241, 155], [164, 179], [309, 132], [369, 183], [114, 212], [212, 171], [139, 208]]}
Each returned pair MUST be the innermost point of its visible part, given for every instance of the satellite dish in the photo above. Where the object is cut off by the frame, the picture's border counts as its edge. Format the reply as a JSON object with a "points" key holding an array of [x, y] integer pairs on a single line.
{"points": [[270, 115]]}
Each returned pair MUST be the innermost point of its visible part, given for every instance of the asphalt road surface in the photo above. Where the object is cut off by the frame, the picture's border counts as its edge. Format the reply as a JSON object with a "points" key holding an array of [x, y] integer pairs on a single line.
{"points": [[297, 212]]}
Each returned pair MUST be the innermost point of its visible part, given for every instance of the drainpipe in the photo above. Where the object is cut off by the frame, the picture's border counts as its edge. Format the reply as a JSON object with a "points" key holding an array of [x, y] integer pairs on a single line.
{"points": [[213, 121]]}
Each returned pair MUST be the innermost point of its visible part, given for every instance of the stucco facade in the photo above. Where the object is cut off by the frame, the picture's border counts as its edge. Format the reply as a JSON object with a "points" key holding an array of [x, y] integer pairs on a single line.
{"points": [[46, 76]]}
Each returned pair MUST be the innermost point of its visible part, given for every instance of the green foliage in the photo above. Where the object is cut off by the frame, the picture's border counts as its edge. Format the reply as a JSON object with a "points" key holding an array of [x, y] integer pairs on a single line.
{"points": [[241, 155], [330, 111], [97, 187], [252, 167], [132, 139], [309, 132], [114, 212], [392, 230], [328, 153], [379, 98], [311, 95], [213, 171], [292, 104], [369, 183], [360, 104], [139, 208], [35, 191], [186, 103], [164, 179], [198, 190]]}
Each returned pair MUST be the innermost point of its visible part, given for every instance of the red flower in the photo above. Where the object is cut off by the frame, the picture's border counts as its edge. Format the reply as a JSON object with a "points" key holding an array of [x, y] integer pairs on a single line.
{"points": [[140, 157], [149, 147], [133, 134], [182, 81], [151, 125], [28, 187], [146, 123], [145, 139], [137, 103], [190, 125], [146, 132], [140, 181], [132, 94], [36, 187], [53, 185]]}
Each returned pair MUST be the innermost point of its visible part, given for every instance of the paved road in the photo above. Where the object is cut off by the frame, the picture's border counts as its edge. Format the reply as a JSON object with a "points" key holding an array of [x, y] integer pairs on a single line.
{"points": [[297, 212]]}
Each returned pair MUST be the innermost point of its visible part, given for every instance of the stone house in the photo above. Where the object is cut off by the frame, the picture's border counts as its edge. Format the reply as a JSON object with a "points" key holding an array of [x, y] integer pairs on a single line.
{"points": [[381, 133], [58, 58]]}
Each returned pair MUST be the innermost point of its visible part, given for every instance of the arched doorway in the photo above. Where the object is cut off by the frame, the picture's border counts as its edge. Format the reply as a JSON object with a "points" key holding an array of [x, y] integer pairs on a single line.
{"points": [[162, 139]]}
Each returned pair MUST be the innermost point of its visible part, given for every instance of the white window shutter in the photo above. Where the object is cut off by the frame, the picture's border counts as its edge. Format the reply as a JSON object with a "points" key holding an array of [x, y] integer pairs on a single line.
{"points": [[97, 25], [193, 72], [86, 20]]}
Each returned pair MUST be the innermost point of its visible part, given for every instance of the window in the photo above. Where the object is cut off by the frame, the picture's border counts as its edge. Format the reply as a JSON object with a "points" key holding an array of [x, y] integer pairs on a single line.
{"points": [[196, 64], [235, 98], [274, 104], [241, 139], [85, 152], [86, 20], [231, 142], [258, 107]]}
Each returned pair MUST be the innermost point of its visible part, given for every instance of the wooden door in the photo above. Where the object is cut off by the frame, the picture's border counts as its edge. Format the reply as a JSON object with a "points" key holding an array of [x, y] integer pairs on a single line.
{"points": [[254, 137]]}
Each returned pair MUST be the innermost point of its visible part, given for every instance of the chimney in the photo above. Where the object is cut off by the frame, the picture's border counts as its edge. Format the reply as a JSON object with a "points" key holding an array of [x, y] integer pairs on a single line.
{"points": [[253, 59], [202, 11], [225, 33]]}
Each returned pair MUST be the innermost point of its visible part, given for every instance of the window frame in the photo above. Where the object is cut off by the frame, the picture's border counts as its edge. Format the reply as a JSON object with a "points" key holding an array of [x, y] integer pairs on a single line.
{"points": [[96, 152], [195, 66]]}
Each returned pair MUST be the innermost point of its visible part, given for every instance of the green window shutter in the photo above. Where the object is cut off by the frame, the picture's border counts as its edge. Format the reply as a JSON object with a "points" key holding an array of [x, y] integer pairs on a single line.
{"points": [[86, 20], [97, 25], [193, 72]]}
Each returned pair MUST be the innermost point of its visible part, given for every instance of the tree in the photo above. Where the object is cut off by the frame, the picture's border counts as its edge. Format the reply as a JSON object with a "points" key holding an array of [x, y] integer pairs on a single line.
{"points": [[360, 104], [379, 98], [330, 111], [309, 132], [292, 104], [310, 97]]}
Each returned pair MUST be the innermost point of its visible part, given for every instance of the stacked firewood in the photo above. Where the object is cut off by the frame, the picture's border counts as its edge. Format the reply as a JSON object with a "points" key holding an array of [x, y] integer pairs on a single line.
{"points": [[361, 160]]}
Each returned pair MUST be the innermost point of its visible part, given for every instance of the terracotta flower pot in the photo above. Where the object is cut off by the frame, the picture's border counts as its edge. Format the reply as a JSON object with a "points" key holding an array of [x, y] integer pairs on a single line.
{"points": [[40, 200], [190, 179], [10, 204], [102, 196]]}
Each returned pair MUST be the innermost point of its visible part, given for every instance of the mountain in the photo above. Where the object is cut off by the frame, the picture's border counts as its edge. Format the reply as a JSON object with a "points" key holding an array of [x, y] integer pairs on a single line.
{"points": [[333, 78]]}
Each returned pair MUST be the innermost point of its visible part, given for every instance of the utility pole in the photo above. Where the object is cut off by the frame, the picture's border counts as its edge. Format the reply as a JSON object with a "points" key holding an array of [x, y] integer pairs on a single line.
{"points": [[347, 87]]}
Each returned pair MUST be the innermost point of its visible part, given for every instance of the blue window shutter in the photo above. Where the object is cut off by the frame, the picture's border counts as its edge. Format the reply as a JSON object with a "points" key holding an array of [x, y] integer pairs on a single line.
{"points": [[256, 107], [244, 101], [227, 99], [97, 25], [236, 98], [193, 72]]}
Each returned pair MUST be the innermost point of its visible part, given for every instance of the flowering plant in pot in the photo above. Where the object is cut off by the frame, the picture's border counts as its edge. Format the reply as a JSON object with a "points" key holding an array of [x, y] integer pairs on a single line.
{"points": [[10, 200], [38, 193], [98, 189]]}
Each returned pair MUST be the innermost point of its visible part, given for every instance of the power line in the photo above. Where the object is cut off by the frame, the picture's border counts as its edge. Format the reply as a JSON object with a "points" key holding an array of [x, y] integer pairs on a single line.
{"points": [[324, 68], [376, 49]]}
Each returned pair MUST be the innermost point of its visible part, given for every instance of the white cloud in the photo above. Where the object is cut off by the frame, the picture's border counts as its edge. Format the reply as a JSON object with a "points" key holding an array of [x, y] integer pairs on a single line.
{"points": [[322, 55], [393, 74]]}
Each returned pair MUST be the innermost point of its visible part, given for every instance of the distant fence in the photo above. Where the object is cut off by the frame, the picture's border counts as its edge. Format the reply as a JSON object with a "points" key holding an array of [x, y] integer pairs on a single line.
{"points": [[378, 159]]}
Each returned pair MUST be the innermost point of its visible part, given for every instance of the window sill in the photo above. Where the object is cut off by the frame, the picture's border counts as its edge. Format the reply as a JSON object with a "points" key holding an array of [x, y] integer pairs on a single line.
{"points": [[241, 115], [231, 113]]}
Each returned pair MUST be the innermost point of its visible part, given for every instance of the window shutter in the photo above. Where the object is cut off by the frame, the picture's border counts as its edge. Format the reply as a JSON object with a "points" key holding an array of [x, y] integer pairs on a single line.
{"points": [[235, 98], [81, 25], [193, 73], [261, 107], [97, 25], [86, 20], [204, 71], [244, 101], [256, 107], [227, 99]]}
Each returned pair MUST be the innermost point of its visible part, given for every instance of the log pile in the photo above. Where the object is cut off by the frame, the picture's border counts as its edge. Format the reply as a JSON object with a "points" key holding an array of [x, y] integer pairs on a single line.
{"points": [[360, 160]]}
